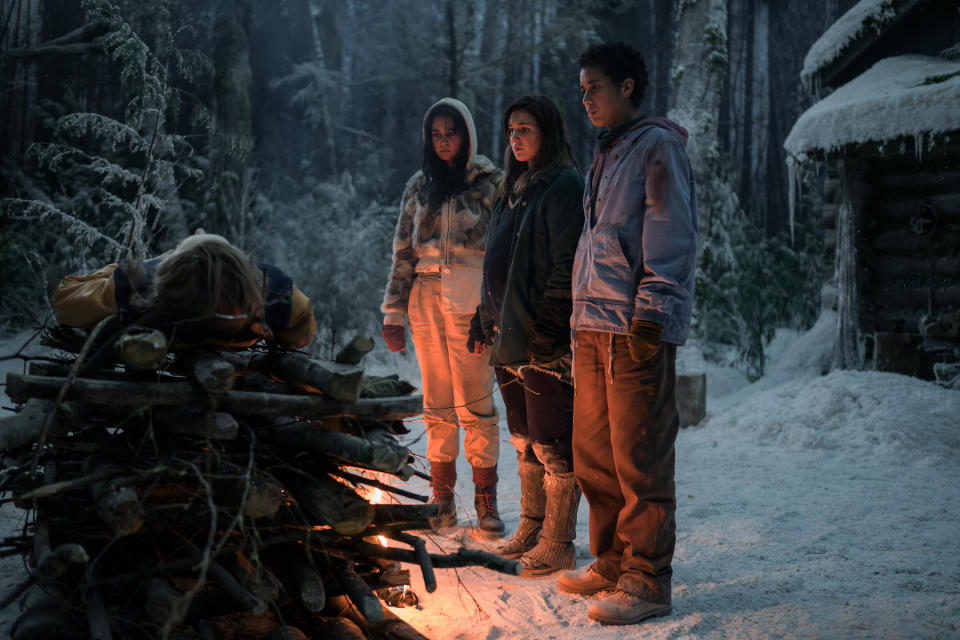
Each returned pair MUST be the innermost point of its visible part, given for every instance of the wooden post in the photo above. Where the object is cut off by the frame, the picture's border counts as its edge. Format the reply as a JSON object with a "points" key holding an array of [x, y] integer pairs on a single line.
{"points": [[691, 398]]}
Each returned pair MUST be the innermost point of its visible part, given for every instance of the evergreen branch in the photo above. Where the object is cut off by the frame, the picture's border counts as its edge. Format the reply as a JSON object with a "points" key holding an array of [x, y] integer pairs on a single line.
{"points": [[127, 48], [53, 156], [136, 229], [36, 210], [103, 127]]}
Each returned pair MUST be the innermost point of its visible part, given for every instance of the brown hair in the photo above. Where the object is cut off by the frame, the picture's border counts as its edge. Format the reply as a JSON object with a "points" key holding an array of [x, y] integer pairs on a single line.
{"points": [[555, 149], [206, 275]]}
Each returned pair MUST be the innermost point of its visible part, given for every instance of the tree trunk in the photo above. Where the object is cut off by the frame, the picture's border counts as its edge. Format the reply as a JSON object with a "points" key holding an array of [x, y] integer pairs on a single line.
{"points": [[701, 55], [746, 157], [453, 77], [20, 30], [232, 134], [664, 43]]}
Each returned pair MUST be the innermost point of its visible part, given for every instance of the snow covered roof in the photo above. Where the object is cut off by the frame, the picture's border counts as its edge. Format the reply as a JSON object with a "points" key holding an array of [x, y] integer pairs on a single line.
{"points": [[909, 95], [863, 18]]}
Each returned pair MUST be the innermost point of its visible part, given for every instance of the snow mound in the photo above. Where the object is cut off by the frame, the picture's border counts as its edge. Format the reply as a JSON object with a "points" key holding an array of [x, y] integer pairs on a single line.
{"points": [[866, 14], [864, 412], [793, 355], [909, 95]]}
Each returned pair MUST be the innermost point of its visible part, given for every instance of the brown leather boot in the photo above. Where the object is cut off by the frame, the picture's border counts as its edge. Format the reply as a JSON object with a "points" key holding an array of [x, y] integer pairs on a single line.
{"points": [[489, 524], [443, 478]]}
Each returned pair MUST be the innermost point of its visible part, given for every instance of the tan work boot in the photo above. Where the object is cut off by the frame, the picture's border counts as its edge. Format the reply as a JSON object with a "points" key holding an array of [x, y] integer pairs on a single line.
{"points": [[584, 582], [620, 607]]}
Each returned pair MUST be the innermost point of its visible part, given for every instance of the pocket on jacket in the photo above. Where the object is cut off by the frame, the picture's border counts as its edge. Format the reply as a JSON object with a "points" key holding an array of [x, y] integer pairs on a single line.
{"points": [[460, 288], [613, 278]]}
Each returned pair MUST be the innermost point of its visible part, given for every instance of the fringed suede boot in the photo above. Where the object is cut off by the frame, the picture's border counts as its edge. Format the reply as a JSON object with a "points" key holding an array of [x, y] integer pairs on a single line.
{"points": [[533, 503], [555, 550], [489, 524]]}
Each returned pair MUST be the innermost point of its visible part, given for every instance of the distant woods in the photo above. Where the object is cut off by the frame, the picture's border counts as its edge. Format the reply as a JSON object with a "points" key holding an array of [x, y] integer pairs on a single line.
{"points": [[291, 126]]}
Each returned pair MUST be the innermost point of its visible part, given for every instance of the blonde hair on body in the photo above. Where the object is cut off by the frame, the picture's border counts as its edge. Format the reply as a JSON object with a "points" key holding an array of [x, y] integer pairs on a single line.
{"points": [[206, 277]]}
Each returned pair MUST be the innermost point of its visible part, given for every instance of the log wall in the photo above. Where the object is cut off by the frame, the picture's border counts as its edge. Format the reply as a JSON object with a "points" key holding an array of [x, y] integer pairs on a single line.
{"points": [[908, 248]]}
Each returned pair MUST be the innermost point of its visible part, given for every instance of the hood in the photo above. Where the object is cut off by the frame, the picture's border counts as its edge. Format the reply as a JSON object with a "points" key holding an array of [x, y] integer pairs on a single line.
{"points": [[663, 123], [467, 118]]}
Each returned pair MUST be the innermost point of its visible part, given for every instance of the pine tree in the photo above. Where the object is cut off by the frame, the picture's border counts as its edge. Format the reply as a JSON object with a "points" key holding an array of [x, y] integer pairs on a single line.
{"points": [[106, 184]]}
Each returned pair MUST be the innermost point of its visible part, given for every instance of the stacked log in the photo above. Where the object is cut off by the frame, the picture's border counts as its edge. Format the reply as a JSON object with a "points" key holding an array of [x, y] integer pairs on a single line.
{"points": [[213, 494]]}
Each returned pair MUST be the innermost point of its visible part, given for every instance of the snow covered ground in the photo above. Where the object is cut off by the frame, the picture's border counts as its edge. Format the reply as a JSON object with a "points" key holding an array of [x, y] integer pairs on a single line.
{"points": [[809, 506]]}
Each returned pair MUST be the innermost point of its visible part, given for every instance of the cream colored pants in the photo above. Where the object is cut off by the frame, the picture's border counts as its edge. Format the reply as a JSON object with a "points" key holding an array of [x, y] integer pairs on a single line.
{"points": [[457, 385]]}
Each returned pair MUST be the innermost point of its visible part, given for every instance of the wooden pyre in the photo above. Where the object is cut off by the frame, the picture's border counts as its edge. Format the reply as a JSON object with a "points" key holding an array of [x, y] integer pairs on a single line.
{"points": [[211, 494]]}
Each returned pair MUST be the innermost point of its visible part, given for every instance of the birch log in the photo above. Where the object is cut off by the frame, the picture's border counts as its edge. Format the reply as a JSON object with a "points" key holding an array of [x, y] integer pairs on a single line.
{"points": [[379, 450], [102, 392]]}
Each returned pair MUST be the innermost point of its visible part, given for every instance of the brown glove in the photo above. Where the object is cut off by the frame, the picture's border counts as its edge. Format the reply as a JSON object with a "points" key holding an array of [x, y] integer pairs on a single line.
{"points": [[644, 339]]}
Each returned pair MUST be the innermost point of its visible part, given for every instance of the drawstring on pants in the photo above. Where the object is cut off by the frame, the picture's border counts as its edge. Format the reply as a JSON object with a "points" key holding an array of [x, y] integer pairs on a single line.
{"points": [[610, 361]]}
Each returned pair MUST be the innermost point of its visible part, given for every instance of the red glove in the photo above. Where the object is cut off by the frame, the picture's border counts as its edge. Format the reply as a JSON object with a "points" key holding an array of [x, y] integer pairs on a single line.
{"points": [[395, 337]]}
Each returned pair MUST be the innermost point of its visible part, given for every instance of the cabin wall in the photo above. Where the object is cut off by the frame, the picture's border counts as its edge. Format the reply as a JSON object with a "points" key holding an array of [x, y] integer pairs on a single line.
{"points": [[907, 243]]}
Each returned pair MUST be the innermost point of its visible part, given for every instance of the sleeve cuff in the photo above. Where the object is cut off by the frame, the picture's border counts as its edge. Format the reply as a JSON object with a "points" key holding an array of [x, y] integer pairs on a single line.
{"points": [[394, 317]]}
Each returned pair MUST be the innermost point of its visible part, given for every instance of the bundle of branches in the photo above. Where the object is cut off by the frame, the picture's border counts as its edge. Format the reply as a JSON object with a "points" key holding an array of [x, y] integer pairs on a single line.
{"points": [[212, 494]]}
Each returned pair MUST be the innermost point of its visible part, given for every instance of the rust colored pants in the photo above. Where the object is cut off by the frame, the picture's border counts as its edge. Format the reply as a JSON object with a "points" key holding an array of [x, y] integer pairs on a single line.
{"points": [[625, 424]]}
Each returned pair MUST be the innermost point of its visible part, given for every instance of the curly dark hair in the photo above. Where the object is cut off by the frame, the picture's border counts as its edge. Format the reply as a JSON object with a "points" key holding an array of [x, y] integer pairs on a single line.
{"points": [[619, 61]]}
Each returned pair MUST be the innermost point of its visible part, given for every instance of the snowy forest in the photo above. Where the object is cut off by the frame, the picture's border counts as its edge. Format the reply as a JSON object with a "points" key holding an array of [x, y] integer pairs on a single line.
{"points": [[291, 126]]}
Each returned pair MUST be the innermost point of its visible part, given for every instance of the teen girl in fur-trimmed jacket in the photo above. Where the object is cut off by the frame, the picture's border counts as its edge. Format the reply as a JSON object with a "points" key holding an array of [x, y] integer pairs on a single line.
{"points": [[434, 283]]}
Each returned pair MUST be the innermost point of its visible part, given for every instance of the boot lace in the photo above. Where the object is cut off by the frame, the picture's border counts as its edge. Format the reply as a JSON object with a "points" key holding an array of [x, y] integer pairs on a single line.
{"points": [[485, 504]]}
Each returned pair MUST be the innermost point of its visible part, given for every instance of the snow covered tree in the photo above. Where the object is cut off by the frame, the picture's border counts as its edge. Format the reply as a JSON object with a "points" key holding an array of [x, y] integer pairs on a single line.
{"points": [[748, 283], [107, 181]]}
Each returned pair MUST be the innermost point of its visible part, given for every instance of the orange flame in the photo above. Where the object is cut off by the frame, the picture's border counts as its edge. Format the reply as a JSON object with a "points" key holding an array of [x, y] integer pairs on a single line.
{"points": [[376, 498]]}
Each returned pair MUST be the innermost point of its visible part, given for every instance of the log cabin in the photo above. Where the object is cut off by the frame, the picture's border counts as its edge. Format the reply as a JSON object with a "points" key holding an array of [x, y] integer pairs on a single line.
{"points": [[884, 132]]}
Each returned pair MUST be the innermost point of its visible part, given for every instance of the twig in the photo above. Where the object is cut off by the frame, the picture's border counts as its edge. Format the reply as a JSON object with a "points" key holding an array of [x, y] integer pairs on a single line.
{"points": [[206, 562], [47, 490], [423, 558], [183, 604], [72, 376], [337, 471]]}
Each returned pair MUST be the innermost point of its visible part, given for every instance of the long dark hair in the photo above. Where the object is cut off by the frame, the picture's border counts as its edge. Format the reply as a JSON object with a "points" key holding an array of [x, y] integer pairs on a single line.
{"points": [[555, 149], [441, 179]]}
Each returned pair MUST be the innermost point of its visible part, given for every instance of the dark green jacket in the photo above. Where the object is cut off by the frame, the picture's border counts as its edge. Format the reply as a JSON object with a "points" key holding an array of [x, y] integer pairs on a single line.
{"points": [[537, 294]]}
